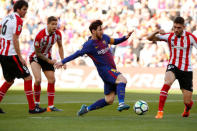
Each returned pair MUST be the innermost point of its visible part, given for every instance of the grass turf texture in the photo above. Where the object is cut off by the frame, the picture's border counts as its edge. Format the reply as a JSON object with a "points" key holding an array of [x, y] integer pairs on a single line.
{"points": [[108, 118]]}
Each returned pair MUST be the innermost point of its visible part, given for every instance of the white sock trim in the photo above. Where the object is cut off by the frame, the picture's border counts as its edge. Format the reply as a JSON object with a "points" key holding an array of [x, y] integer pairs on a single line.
{"points": [[51, 106]]}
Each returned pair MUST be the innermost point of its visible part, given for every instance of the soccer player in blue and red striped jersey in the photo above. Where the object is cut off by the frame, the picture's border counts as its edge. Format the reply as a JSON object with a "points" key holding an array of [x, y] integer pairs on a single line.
{"points": [[97, 48]]}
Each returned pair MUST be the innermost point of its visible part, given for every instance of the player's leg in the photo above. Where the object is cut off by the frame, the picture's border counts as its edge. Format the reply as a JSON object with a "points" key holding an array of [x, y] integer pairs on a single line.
{"points": [[121, 85], [108, 100], [21, 71], [109, 91], [4, 88], [50, 75], [36, 69], [187, 97], [169, 79], [8, 75], [186, 85], [29, 94]]}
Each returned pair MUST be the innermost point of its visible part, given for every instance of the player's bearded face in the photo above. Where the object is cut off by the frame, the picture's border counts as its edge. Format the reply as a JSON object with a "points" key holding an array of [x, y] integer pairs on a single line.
{"points": [[22, 12], [52, 26], [99, 33], [178, 29]]}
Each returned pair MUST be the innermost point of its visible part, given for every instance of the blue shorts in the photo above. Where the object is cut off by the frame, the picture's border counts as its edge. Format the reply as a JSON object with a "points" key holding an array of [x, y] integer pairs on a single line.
{"points": [[109, 77]]}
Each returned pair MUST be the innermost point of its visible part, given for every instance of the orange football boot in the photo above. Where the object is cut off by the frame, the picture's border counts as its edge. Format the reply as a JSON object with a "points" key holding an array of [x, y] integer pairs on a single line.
{"points": [[159, 115]]}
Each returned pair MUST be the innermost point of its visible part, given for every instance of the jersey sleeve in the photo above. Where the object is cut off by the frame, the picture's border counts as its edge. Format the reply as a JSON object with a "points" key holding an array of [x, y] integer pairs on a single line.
{"points": [[114, 41], [163, 37], [85, 50], [59, 35], [18, 26], [193, 40], [37, 41]]}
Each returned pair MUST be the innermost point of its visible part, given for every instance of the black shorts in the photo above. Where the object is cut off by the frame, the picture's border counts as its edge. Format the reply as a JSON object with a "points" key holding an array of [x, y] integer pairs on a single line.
{"points": [[13, 68], [44, 65], [185, 78]]}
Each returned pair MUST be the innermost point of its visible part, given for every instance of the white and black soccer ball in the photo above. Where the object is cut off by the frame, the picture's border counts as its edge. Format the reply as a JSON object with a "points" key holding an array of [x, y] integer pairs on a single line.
{"points": [[140, 107]]}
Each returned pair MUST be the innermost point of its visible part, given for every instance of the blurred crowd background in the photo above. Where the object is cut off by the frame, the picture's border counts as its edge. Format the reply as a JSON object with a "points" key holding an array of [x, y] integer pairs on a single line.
{"points": [[118, 16]]}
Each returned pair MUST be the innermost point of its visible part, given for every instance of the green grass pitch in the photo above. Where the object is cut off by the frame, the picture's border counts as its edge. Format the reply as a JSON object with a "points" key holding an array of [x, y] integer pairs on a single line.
{"points": [[108, 118]]}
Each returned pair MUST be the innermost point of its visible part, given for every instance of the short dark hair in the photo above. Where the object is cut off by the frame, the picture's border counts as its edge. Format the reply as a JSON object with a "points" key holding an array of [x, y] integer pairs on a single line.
{"points": [[51, 18], [94, 25], [179, 20], [19, 4]]}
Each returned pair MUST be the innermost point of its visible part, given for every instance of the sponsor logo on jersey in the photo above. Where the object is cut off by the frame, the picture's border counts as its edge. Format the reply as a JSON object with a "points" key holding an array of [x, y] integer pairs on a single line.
{"points": [[103, 51]]}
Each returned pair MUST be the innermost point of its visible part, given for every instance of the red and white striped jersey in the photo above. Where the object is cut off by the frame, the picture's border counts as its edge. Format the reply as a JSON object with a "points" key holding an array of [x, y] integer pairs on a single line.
{"points": [[180, 49], [44, 41], [11, 24]]}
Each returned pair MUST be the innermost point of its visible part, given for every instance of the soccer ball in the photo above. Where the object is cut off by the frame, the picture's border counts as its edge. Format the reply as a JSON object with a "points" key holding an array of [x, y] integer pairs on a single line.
{"points": [[140, 107]]}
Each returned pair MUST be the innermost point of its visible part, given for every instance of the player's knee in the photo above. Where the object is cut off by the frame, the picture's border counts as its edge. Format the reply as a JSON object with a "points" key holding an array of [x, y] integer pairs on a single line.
{"points": [[168, 82], [123, 80], [37, 81], [110, 99], [51, 80]]}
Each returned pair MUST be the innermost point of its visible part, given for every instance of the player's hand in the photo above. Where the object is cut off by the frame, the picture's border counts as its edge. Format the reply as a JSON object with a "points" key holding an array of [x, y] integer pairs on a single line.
{"points": [[52, 62], [64, 66], [58, 65], [162, 31], [129, 34], [159, 31], [22, 61]]}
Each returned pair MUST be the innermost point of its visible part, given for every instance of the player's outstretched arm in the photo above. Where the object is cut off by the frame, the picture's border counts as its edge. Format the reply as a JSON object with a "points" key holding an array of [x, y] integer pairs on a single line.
{"points": [[153, 37], [69, 58], [120, 40], [129, 34]]}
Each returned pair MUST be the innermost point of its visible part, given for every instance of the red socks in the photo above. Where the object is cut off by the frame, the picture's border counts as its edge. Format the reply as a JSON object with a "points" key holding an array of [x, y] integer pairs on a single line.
{"points": [[163, 96], [51, 93], [37, 89], [29, 93], [4, 89]]}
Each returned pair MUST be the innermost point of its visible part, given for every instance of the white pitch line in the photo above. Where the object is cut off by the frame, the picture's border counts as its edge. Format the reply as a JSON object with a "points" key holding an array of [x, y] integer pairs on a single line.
{"points": [[39, 117], [65, 102]]}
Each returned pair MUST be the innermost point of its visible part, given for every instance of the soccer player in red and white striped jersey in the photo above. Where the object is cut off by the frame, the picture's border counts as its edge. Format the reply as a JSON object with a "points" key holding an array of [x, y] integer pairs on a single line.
{"points": [[40, 58], [180, 43], [13, 65]]}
